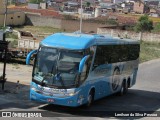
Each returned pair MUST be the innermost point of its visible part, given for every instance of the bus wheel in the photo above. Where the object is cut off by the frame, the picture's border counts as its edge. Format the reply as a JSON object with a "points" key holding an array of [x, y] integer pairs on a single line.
{"points": [[123, 89], [90, 98]]}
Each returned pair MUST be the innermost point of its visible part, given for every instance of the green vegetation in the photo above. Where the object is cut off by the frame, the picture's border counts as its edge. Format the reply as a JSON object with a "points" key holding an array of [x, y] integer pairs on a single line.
{"points": [[35, 1], [104, 21], [149, 51], [137, 16], [144, 24], [111, 22], [69, 17], [87, 4], [11, 35], [156, 28], [14, 44]]}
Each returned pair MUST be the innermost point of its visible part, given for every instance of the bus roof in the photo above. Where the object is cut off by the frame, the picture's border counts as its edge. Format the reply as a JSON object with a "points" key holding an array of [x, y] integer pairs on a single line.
{"points": [[82, 41]]}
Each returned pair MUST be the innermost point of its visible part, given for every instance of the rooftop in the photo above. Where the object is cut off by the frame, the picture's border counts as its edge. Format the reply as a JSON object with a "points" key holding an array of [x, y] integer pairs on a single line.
{"points": [[43, 12], [81, 41]]}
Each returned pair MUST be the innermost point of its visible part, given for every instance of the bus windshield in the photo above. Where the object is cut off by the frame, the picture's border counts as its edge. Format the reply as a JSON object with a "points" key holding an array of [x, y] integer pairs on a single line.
{"points": [[57, 67]]}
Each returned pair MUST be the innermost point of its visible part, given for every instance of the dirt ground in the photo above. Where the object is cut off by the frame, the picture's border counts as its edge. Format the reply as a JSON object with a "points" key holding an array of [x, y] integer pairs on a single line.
{"points": [[15, 72], [16, 95]]}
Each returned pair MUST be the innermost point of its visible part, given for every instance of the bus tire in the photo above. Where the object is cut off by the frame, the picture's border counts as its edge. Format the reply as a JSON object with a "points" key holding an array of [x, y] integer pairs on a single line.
{"points": [[90, 98], [123, 89]]}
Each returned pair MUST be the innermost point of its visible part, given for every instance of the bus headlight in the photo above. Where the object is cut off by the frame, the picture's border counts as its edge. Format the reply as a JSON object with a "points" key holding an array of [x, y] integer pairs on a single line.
{"points": [[71, 93], [34, 88]]}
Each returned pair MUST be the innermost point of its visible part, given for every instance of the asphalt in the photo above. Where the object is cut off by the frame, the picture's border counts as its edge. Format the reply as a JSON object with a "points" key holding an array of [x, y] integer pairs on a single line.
{"points": [[144, 96]]}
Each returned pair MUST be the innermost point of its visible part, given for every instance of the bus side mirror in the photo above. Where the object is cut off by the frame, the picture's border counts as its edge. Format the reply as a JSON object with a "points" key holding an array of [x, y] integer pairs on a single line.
{"points": [[82, 63], [28, 58]]}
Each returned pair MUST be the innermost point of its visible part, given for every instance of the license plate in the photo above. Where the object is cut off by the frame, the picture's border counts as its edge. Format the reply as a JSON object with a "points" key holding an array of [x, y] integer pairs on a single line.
{"points": [[50, 100]]}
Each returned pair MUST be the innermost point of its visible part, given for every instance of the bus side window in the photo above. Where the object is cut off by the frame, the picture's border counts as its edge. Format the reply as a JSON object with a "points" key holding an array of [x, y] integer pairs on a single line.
{"points": [[115, 53], [123, 52], [98, 57], [133, 52], [102, 56]]}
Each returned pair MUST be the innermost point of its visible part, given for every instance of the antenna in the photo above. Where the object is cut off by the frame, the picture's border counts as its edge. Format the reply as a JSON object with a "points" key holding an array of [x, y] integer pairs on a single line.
{"points": [[81, 19]]}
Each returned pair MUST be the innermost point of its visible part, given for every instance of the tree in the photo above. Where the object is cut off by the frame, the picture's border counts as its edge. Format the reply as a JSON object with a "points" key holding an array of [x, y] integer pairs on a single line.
{"points": [[88, 4], [35, 1], [144, 24], [157, 27]]}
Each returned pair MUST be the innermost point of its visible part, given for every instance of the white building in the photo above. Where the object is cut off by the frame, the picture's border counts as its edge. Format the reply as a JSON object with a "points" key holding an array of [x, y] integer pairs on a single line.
{"points": [[118, 1]]}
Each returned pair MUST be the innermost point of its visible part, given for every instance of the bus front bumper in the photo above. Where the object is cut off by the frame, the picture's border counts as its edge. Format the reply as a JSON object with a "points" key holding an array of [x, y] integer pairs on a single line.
{"points": [[72, 101]]}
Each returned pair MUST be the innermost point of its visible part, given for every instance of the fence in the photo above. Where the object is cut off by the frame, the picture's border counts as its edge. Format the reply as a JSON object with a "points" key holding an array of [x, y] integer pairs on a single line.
{"points": [[28, 44], [130, 34]]}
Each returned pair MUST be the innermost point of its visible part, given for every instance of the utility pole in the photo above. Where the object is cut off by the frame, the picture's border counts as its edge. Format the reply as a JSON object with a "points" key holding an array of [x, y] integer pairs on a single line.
{"points": [[81, 19], [4, 47], [5, 15]]}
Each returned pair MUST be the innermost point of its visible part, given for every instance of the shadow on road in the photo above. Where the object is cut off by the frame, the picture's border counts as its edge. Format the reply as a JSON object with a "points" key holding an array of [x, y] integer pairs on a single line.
{"points": [[134, 101], [16, 96]]}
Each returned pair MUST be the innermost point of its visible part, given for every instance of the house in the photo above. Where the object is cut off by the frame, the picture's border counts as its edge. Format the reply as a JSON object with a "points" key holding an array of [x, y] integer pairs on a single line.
{"points": [[127, 7], [154, 12], [140, 7], [108, 7], [13, 17], [71, 6], [22, 1], [153, 4], [2, 6], [119, 9], [118, 1], [109, 1]]}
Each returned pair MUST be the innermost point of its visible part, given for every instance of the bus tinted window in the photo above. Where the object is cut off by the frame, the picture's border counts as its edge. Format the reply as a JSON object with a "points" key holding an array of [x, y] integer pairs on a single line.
{"points": [[99, 58], [133, 52], [123, 53], [115, 53]]}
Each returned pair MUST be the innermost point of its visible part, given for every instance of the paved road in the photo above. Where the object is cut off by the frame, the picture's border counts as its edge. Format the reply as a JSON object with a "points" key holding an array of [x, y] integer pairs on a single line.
{"points": [[144, 96]]}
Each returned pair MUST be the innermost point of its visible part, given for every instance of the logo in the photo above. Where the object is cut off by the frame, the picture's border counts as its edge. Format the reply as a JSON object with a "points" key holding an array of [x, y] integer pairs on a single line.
{"points": [[115, 80], [6, 114], [115, 83]]}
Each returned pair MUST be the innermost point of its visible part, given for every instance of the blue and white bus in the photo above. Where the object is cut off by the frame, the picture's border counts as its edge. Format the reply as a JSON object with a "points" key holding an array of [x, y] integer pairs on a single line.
{"points": [[74, 69]]}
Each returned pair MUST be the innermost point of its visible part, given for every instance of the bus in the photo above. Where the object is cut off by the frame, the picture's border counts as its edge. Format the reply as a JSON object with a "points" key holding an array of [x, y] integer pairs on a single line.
{"points": [[74, 69]]}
